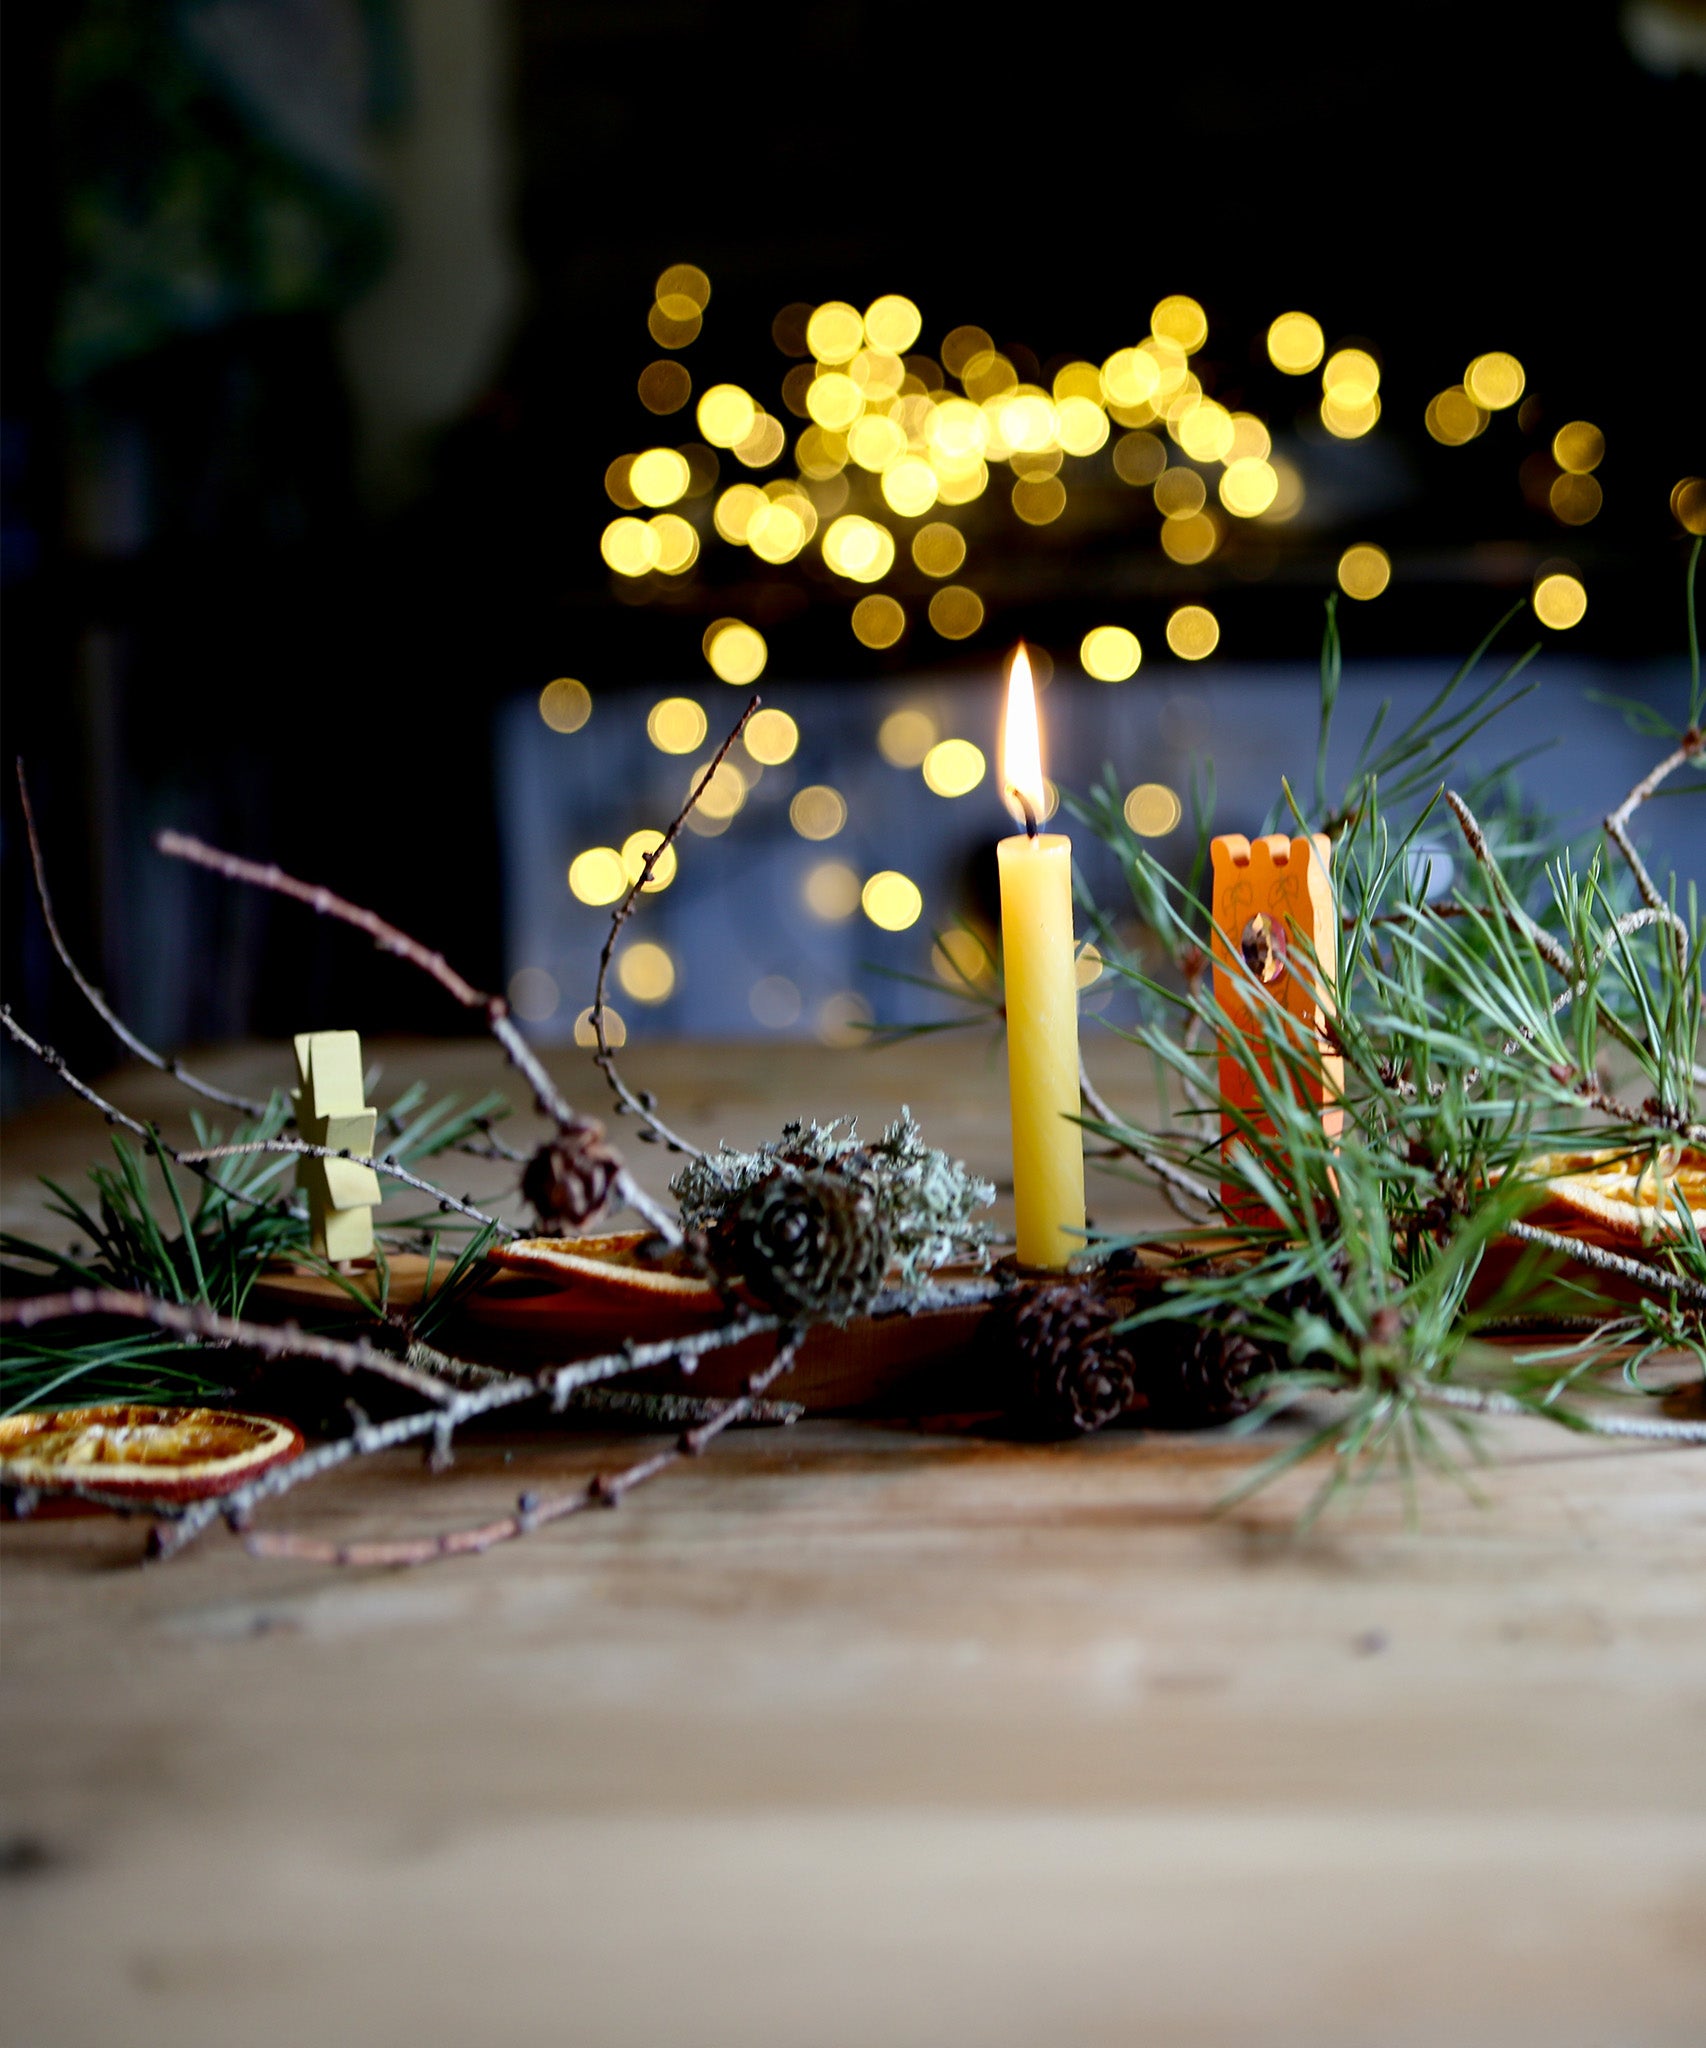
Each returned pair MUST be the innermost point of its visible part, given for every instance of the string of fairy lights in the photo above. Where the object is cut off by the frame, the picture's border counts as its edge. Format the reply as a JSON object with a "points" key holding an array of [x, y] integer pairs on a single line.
{"points": [[888, 447]]}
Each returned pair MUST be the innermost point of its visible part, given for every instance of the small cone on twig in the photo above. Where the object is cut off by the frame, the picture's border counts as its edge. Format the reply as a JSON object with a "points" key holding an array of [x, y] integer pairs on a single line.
{"points": [[571, 1178], [808, 1242]]}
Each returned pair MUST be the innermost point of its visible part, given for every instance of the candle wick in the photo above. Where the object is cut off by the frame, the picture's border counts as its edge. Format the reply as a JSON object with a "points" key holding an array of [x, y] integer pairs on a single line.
{"points": [[1030, 814]]}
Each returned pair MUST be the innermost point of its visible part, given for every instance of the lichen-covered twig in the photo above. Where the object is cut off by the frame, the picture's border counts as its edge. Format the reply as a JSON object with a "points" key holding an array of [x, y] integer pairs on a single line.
{"points": [[604, 1058], [1491, 1401], [1655, 1279], [388, 938], [93, 996], [603, 1490]]}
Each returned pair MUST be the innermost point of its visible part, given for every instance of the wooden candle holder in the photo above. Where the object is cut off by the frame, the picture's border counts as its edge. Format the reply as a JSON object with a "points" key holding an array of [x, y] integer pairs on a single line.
{"points": [[1274, 908]]}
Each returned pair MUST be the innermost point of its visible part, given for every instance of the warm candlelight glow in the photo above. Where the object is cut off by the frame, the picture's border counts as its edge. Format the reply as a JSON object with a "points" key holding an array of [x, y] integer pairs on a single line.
{"points": [[1021, 747]]}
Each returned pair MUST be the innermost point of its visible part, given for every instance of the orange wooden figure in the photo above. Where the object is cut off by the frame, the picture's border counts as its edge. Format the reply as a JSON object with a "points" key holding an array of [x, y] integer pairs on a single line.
{"points": [[1277, 923]]}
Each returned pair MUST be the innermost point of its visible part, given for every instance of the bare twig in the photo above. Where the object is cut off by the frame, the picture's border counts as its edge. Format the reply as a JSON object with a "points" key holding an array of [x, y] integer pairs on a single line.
{"points": [[381, 1164], [1543, 942], [1656, 1279], [389, 939], [604, 1058], [1617, 824], [1179, 1187], [1490, 1401], [93, 996], [603, 1490], [205, 1326], [560, 1384]]}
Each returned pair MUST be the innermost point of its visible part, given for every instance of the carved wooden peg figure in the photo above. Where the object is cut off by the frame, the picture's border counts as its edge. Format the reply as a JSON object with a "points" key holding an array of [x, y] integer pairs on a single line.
{"points": [[329, 1111], [1276, 923]]}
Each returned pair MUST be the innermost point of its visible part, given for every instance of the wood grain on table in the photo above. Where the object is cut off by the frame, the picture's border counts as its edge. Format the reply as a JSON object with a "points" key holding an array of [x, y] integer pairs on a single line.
{"points": [[854, 1733]]}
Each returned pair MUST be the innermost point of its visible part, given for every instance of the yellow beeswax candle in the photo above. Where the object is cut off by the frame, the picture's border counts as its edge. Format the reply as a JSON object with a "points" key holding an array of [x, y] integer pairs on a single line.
{"points": [[1042, 999]]}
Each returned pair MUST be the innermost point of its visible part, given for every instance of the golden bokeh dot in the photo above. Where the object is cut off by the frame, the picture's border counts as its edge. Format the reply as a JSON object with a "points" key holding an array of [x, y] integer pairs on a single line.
{"points": [[1688, 504], [726, 414], [1180, 320], [1364, 570], [616, 486], [634, 850], [771, 737], [646, 972], [687, 281], [1081, 426], [910, 487], [629, 546], [1453, 418], [676, 725], [878, 621], [1179, 493], [659, 476], [835, 333], [858, 548], [674, 322], [1578, 446], [665, 386], [565, 705], [1575, 499], [963, 345], [722, 796], [1110, 653], [1039, 500], [764, 444], [954, 767], [938, 549], [1205, 432], [533, 994], [892, 901], [1139, 458], [834, 401], [597, 875], [1296, 344], [615, 1031], [1193, 632], [831, 890], [1249, 486], [1560, 601], [788, 329], [1190, 541], [1152, 810], [817, 811], [906, 736], [736, 652], [1354, 372], [843, 1020], [678, 543], [956, 611], [1495, 380], [893, 323], [1088, 965]]}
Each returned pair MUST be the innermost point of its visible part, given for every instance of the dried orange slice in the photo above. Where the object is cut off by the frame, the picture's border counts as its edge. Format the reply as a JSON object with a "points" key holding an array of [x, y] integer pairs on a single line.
{"points": [[154, 1453], [1617, 1198], [596, 1287]]}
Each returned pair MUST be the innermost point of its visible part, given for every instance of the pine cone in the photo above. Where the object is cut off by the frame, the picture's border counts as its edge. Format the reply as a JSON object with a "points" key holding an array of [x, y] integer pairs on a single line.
{"points": [[1074, 1375], [810, 1242], [571, 1178], [1207, 1382]]}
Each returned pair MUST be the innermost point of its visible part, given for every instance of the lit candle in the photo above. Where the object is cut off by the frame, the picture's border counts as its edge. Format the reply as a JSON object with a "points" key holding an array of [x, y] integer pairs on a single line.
{"points": [[1042, 997]]}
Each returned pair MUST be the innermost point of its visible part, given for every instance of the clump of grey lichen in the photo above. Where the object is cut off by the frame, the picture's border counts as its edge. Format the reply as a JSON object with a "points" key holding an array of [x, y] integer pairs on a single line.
{"points": [[926, 1200]]}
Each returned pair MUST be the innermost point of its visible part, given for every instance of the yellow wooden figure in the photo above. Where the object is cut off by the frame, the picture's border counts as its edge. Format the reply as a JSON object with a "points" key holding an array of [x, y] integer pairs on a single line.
{"points": [[329, 1111], [1276, 922]]}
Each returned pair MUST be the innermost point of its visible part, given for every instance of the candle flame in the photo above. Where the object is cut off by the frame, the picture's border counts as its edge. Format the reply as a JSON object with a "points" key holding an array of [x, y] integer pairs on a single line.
{"points": [[1021, 746]]}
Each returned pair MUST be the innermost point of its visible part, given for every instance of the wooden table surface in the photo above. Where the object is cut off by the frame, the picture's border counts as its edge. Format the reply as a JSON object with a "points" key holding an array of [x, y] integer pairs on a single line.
{"points": [[856, 1734]]}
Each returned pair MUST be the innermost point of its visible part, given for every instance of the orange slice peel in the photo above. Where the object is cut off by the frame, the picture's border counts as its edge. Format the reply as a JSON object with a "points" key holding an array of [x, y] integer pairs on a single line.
{"points": [[136, 1449], [1616, 1198]]}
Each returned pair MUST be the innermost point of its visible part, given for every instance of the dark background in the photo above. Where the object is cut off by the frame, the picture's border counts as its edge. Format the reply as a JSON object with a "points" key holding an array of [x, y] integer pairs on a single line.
{"points": [[234, 604]]}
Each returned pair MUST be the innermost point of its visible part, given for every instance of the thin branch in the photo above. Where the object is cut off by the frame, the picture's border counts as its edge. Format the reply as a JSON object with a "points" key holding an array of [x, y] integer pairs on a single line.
{"points": [[385, 1165], [225, 1333], [603, 1490], [1654, 1278], [604, 1058], [1543, 942], [93, 996], [560, 1384], [1617, 822], [389, 939], [1177, 1185], [1490, 1401]]}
